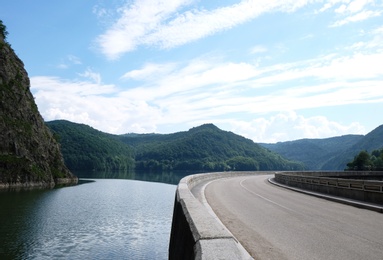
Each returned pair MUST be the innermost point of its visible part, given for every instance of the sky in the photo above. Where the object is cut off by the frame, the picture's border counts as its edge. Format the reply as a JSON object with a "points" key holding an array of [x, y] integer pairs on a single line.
{"points": [[269, 70]]}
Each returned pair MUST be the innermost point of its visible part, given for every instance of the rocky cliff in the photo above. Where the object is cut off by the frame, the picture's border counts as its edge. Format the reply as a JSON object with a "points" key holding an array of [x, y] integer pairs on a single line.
{"points": [[29, 154]]}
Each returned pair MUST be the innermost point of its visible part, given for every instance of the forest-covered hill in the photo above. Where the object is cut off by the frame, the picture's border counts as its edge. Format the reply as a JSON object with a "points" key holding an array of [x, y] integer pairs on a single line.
{"points": [[330, 153], [201, 149], [205, 148], [85, 148], [370, 142]]}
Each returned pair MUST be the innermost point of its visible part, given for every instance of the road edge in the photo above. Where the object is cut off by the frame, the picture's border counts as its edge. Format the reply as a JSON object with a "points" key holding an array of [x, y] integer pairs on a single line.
{"points": [[355, 203], [195, 233]]}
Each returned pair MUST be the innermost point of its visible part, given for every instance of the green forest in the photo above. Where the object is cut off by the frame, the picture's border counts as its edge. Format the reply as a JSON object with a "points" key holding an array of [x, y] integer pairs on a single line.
{"points": [[367, 161], [201, 149], [85, 148], [329, 154], [207, 148]]}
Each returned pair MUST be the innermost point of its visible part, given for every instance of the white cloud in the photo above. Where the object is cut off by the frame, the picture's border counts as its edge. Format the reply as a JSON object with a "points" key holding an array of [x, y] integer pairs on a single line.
{"points": [[351, 11], [78, 88], [361, 16], [346, 5], [165, 24], [331, 67], [97, 105], [82, 102], [95, 77], [137, 20], [341, 9], [358, 5], [100, 11], [150, 70], [372, 40], [68, 61], [206, 89], [198, 75], [258, 49], [291, 126], [352, 6], [211, 89], [74, 59], [62, 66]]}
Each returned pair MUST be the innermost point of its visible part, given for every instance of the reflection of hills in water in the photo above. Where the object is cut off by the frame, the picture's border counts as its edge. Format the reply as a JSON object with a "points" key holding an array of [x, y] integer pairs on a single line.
{"points": [[164, 177]]}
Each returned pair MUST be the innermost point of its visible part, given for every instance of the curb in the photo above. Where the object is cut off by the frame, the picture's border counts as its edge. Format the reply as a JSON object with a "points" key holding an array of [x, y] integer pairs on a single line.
{"points": [[355, 203], [196, 233]]}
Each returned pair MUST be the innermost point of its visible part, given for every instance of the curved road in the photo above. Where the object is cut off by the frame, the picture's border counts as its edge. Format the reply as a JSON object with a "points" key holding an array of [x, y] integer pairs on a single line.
{"points": [[276, 223]]}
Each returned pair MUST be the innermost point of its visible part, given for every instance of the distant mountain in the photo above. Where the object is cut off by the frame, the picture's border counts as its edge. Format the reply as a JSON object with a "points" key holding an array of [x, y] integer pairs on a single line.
{"points": [[314, 153], [85, 148], [371, 141], [330, 153], [204, 148]]}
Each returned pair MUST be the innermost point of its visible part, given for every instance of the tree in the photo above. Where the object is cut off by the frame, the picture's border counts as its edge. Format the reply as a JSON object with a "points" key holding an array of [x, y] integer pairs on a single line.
{"points": [[377, 159], [240, 163], [361, 162], [3, 30]]}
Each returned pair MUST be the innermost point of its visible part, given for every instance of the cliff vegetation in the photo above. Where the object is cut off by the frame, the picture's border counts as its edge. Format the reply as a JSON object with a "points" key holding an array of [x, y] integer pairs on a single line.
{"points": [[29, 155]]}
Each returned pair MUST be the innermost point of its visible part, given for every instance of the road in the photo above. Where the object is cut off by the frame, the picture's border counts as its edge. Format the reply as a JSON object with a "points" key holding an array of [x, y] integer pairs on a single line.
{"points": [[276, 223]]}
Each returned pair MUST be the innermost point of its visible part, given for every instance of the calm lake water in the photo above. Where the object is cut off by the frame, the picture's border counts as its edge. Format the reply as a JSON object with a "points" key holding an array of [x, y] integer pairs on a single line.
{"points": [[99, 219]]}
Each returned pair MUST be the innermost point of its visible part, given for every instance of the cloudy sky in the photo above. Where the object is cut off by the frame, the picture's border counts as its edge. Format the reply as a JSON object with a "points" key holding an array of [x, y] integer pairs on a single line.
{"points": [[269, 70]]}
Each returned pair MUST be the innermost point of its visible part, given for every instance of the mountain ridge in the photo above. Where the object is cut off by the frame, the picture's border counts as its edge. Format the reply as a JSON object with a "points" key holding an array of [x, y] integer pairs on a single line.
{"points": [[371, 141], [200, 149], [331, 153], [153, 151]]}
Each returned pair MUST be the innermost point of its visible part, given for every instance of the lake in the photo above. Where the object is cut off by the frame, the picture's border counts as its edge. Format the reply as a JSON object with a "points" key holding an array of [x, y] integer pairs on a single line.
{"points": [[97, 219]]}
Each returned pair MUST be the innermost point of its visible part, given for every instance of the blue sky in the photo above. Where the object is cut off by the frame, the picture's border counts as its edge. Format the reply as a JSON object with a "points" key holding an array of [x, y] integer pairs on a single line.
{"points": [[267, 70]]}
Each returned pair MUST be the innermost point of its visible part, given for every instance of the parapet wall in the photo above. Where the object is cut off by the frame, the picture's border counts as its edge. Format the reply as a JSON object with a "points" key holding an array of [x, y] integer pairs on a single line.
{"points": [[351, 185], [196, 234]]}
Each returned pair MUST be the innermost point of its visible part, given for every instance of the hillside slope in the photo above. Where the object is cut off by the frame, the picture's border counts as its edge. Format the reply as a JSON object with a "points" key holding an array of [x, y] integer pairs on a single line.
{"points": [[201, 149], [330, 153], [369, 142], [29, 155], [85, 148], [314, 153], [204, 148]]}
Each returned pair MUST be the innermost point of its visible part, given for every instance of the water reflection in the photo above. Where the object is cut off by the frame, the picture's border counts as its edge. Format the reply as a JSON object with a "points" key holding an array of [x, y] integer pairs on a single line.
{"points": [[163, 177], [16, 215], [102, 219]]}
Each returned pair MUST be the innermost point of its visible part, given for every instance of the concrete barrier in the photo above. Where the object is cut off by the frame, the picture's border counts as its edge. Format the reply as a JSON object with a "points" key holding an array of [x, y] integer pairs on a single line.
{"points": [[351, 185], [196, 234]]}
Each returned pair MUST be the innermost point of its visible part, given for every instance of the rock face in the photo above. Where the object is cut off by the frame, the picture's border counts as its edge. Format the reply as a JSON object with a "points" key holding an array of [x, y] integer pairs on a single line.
{"points": [[29, 154]]}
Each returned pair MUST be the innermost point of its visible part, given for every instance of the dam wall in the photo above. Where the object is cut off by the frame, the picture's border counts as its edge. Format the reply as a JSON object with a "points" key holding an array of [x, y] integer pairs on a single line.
{"points": [[365, 186], [196, 234]]}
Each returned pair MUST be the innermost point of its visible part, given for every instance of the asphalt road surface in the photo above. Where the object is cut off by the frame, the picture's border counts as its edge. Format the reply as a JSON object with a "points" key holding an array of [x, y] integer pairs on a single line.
{"points": [[276, 223]]}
